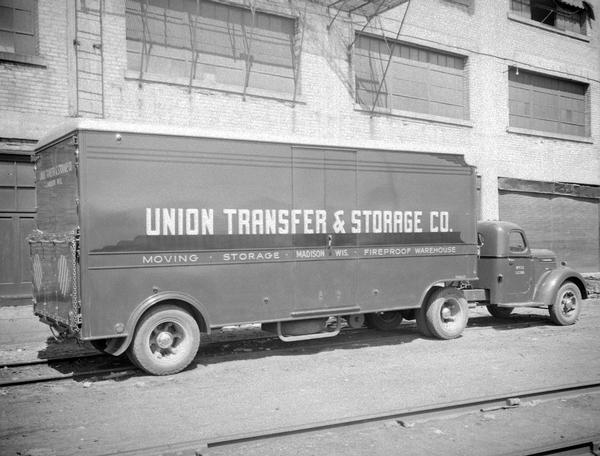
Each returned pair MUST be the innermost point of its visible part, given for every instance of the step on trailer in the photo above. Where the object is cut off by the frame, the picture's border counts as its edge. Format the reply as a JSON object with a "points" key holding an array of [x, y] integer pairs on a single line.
{"points": [[148, 237]]}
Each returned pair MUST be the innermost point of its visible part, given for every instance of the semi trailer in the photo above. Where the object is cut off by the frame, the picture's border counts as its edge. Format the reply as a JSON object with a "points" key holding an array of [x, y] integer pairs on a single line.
{"points": [[149, 237]]}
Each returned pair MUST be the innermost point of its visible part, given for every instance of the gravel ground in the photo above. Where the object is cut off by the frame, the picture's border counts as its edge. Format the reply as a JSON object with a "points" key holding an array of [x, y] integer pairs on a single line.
{"points": [[248, 392]]}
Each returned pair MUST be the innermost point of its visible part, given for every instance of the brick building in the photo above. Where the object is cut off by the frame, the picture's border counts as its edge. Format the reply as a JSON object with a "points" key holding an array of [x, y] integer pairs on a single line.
{"points": [[514, 85]]}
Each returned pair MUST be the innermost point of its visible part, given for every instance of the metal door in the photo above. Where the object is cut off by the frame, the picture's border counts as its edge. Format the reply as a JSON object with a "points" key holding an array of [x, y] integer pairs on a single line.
{"points": [[325, 269], [17, 212], [517, 270]]}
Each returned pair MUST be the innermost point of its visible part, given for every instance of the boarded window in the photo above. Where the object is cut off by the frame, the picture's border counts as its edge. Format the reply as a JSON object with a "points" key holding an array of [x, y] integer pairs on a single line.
{"points": [[418, 79], [557, 14], [211, 42], [544, 103], [17, 27]]}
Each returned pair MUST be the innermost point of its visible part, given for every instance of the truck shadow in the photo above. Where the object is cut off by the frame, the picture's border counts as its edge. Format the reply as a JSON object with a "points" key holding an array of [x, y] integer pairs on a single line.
{"points": [[92, 367], [509, 323]]}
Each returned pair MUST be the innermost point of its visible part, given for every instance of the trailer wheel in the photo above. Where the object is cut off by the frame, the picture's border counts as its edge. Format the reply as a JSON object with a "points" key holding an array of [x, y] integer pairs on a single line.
{"points": [[567, 305], [447, 313], [500, 312], [422, 322], [166, 341], [384, 321]]}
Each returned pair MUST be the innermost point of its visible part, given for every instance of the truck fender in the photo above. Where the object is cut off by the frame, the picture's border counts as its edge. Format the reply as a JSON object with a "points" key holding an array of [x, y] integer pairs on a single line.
{"points": [[198, 311], [546, 289]]}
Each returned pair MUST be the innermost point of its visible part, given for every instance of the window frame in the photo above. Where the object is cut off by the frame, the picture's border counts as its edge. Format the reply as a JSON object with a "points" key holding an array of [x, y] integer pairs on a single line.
{"points": [[190, 78], [518, 15], [522, 251], [387, 107], [557, 94], [31, 58]]}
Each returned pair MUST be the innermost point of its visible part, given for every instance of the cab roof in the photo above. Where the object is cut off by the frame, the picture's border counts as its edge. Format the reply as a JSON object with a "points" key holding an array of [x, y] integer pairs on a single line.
{"points": [[496, 237]]}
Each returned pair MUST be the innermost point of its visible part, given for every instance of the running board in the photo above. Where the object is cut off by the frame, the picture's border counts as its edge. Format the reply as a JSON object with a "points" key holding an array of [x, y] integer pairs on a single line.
{"points": [[319, 335]]}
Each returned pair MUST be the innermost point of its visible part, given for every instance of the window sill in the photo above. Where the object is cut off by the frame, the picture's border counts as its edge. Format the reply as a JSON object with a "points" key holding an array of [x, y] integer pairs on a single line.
{"points": [[549, 135], [549, 28], [415, 116], [31, 60], [211, 85]]}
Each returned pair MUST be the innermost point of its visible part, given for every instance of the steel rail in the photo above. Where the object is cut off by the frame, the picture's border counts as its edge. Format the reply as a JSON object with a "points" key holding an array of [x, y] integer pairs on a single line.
{"points": [[66, 376], [34, 362], [411, 414]]}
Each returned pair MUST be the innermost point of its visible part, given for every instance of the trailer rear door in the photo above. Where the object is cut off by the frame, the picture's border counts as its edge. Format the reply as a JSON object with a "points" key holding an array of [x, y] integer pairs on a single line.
{"points": [[54, 245]]}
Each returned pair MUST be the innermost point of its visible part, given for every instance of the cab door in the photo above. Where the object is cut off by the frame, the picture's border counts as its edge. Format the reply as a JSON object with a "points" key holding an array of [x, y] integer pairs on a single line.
{"points": [[517, 269]]}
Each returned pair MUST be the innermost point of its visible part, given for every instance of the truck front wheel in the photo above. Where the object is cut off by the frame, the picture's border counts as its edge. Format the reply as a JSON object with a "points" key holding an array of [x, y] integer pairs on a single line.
{"points": [[166, 341], [447, 313], [567, 305]]}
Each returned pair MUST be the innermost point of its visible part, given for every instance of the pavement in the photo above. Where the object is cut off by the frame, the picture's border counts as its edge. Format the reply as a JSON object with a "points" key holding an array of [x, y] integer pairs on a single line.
{"points": [[24, 339]]}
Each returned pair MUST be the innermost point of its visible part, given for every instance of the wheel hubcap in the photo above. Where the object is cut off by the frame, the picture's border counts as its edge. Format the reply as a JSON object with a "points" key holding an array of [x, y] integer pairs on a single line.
{"points": [[447, 314], [568, 302], [166, 340]]}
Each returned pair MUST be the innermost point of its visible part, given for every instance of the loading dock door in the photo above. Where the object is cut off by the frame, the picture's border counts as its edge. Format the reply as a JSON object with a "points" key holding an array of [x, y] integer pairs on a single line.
{"points": [[567, 225], [17, 220]]}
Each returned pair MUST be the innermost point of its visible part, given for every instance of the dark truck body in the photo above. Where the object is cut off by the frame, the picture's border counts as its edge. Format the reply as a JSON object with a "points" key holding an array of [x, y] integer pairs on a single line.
{"points": [[235, 231]]}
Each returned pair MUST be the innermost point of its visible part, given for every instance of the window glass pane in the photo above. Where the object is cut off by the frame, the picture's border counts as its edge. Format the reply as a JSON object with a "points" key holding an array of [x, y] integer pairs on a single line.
{"points": [[516, 242], [545, 103], [24, 44], [6, 18], [418, 79], [26, 5], [216, 41], [23, 21], [7, 43]]}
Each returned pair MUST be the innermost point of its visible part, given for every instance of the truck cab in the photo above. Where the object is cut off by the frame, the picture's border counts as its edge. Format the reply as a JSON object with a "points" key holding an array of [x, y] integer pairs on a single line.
{"points": [[512, 274]]}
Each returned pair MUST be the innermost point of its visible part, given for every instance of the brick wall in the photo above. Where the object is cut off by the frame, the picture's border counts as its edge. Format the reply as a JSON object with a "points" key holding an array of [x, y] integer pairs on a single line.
{"points": [[34, 98]]}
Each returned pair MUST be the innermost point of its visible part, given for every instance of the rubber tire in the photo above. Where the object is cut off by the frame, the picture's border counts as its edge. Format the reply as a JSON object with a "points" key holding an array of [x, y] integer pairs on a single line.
{"points": [[433, 313], [422, 322], [500, 312], [140, 353], [556, 313], [384, 321]]}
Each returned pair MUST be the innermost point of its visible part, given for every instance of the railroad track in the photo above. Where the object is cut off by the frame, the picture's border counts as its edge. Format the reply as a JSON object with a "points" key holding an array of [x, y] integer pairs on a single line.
{"points": [[91, 365], [235, 443]]}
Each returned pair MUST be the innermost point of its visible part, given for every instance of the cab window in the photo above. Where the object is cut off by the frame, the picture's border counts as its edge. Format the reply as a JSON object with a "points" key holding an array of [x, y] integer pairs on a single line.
{"points": [[516, 242]]}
